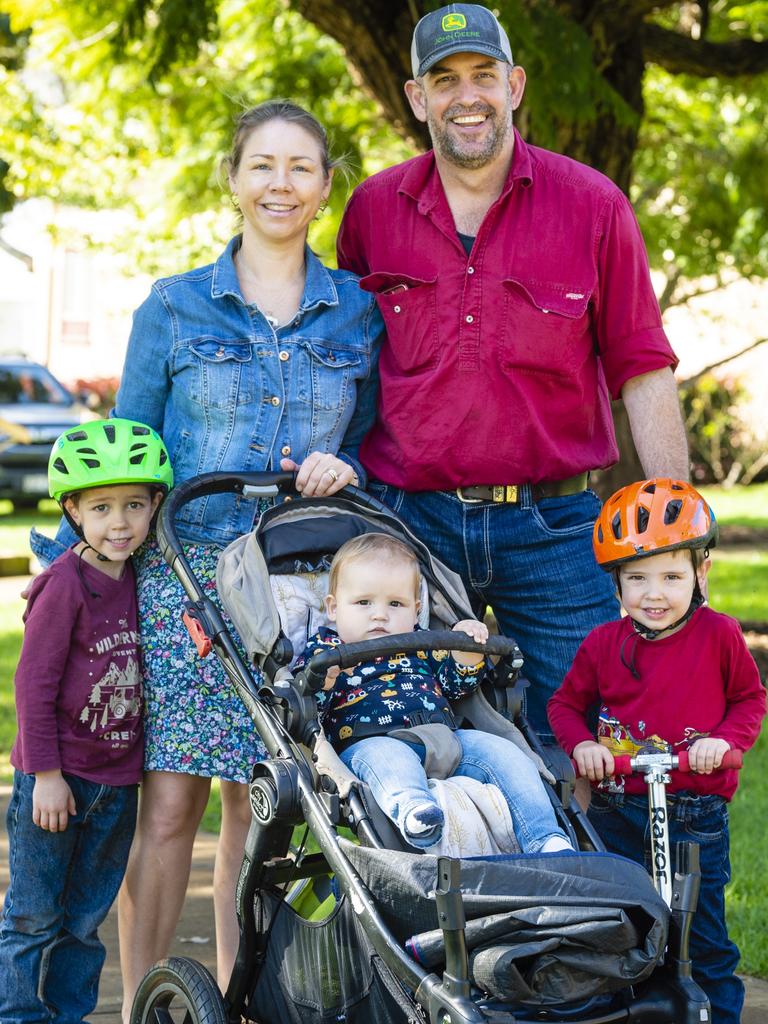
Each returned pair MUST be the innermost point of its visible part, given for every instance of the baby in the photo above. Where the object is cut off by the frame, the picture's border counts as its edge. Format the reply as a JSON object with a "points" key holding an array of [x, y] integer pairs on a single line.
{"points": [[374, 592]]}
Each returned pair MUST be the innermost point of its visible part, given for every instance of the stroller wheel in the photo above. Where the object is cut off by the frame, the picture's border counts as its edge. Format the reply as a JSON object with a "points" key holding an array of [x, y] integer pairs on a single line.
{"points": [[178, 991]]}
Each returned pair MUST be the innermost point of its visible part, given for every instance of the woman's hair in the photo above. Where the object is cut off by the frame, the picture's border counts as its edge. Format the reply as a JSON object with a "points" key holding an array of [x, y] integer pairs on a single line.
{"points": [[373, 547], [277, 110]]}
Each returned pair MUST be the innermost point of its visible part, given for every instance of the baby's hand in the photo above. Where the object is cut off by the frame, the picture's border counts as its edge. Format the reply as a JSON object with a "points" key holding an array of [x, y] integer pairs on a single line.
{"points": [[479, 633], [593, 760], [477, 630], [52, 801], [331, 676], [706, 754]]}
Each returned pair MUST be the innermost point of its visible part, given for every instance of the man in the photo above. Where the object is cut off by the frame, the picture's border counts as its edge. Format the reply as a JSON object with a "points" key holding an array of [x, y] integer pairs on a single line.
{"points": [[515, 288]]}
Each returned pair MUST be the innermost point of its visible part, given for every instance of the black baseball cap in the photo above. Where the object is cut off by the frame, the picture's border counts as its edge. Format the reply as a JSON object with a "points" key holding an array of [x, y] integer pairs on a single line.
{"points": [[457, 28]]}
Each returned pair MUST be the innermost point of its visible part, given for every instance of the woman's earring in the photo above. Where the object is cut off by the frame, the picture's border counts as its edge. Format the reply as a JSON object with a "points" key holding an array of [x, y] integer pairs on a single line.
{"points": [[235, 202], [321, 209]]}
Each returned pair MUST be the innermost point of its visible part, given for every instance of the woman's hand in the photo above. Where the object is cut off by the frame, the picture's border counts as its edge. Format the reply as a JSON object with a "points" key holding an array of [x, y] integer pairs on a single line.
{"points": [[52, 801], [320, 474]]}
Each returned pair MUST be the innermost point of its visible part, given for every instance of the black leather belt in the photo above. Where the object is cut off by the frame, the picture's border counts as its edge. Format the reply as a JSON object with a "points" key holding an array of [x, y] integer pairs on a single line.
{"points": [[510, 493]]}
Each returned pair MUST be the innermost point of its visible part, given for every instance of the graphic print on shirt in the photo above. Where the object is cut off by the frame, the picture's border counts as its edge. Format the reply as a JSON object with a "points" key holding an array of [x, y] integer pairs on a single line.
{"points": [[115, 701], [621, 741]]}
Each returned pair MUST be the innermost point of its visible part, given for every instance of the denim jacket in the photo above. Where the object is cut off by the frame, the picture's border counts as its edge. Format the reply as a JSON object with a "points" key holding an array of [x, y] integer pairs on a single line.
{"points": [[229, 392]]}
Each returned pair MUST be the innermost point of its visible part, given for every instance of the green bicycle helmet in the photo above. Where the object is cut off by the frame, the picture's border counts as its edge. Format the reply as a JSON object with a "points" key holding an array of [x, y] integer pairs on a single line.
{"points": [[104, 452]]}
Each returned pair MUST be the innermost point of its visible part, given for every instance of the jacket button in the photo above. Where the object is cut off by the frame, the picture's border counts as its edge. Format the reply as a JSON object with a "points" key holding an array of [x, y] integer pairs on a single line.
{"points": [[285, 356], [470, 270], [396, 309], [275, 400], [285, 450], [470, 319]]}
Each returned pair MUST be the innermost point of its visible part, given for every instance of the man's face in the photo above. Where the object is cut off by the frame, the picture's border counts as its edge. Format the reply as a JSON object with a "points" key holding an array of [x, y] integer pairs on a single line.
{"points": [[467, 100]]}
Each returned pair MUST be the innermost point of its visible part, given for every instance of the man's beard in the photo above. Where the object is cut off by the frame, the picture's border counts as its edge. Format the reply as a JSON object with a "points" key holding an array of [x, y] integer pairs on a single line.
{"points": [[464, 153]]}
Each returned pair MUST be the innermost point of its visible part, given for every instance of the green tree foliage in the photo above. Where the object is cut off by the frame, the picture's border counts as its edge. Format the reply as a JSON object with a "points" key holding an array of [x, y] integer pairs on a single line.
{"points": [[92, 127], [129, 103]]}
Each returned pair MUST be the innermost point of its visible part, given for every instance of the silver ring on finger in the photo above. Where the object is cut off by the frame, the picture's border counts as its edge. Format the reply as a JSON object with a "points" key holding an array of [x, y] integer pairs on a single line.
{"points": [[332, 474]]}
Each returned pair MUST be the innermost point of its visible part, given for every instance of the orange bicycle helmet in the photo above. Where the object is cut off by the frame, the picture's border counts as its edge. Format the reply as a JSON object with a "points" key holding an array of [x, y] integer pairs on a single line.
{"points": [[649, 517]]}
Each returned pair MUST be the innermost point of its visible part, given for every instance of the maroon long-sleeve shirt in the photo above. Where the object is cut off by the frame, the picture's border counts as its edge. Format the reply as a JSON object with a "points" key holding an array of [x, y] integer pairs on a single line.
{"points": [[78, 681]]}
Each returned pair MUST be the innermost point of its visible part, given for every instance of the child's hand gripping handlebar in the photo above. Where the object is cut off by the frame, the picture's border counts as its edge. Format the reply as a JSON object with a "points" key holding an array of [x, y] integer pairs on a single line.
{"points": [[655, 766], [624, 764]]}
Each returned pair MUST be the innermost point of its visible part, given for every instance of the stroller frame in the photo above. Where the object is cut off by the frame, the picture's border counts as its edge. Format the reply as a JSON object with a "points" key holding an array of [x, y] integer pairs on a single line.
{"points": [[284, 792]]}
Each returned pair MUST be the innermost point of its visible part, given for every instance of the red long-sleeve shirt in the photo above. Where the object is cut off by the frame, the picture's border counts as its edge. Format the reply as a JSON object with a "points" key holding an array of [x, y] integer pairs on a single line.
{"points": [[699, 681], [497, 366]]}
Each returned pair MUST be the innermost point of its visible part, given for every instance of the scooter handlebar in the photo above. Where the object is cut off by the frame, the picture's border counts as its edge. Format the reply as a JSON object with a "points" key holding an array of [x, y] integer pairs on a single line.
{"points": [[624, 764]]}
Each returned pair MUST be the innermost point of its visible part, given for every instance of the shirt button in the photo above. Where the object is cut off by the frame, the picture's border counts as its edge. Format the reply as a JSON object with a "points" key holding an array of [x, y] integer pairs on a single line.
{"points": [[470, 319], [285, 450], [396, 309], [285, 356], [275, 400], [470, 270], [219, 353]]}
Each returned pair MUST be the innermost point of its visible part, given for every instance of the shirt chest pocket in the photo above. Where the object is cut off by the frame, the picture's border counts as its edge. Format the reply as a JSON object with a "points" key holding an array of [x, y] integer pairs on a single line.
{"points": [[409, 308], [219, 373], [546, 326], [325, 374]]}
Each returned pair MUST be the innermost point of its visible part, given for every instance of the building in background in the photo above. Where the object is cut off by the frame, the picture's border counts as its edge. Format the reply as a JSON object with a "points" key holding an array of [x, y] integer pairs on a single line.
{"points": [[64, 300]]}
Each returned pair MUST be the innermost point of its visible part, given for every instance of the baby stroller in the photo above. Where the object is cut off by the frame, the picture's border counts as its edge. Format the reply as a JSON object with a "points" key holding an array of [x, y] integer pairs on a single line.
{"points": [[358, 927]]}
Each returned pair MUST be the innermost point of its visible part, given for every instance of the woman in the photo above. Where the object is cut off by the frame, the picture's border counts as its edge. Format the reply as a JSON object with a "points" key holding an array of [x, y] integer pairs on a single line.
{"points": [[261, 360]]}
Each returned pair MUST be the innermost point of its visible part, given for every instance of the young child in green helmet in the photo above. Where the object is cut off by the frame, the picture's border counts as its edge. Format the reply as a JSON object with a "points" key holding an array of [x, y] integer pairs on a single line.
{"points": [[79, 750]]}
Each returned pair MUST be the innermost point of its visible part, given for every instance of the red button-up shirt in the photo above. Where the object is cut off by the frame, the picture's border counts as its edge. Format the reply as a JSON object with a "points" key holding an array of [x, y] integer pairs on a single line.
{"points": [[498, 366]]}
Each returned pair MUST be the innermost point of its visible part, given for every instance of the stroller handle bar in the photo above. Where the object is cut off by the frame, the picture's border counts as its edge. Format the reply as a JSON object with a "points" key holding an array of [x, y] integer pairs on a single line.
{"points": [[349, 655], [624, 764]]}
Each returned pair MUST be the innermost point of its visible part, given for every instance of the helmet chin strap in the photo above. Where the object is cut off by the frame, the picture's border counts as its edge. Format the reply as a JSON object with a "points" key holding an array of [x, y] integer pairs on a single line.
{"points": [[101, 558]]}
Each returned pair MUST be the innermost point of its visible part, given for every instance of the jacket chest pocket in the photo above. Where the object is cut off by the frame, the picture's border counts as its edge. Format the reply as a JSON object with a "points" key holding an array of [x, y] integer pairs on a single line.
{"points": [[409, 308], [325, 374], [546, 327], [219, 373]]}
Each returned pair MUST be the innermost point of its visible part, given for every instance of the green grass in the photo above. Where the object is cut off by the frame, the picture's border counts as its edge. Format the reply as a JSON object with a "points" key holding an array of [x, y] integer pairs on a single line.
{"points": [[739, 506], [738, 583], [15, 526], [747, 895]]}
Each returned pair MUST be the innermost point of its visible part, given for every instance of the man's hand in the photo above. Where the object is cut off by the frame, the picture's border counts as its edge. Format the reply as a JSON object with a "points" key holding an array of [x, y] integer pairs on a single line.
{"points": [[593, 760], [479, 633], [52, 801], [706, 754]]}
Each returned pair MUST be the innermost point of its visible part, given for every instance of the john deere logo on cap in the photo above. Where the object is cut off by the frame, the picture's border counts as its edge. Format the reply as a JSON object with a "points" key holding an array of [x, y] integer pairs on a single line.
{"points": [[452, 22]]}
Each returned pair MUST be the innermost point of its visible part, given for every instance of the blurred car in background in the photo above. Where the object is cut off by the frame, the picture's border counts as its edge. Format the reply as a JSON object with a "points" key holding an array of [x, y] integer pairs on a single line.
{"points": [[34, 409]]}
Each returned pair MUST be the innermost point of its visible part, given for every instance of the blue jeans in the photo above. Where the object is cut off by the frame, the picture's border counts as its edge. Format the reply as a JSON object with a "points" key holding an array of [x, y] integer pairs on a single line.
{"points": [[622, 822], [393, 771], [62, 886], [532, 562]]}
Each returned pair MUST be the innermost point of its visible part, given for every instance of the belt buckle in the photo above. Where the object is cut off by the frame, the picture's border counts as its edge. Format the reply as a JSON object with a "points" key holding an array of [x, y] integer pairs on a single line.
{"points": [[505, 493], [467, 501]]}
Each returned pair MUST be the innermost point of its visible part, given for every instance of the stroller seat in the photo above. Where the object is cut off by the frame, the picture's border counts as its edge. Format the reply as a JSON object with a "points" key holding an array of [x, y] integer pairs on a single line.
{"points": [[477, 819]]}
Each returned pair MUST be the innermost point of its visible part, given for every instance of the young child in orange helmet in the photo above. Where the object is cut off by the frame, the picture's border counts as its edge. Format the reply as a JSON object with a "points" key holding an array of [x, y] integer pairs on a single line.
{"points": [[673, 674]]}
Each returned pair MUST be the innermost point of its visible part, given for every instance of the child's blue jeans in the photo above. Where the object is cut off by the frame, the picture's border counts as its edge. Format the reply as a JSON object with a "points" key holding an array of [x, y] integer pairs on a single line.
{"points": [[622, 822], [395, 775], [62, 886]]}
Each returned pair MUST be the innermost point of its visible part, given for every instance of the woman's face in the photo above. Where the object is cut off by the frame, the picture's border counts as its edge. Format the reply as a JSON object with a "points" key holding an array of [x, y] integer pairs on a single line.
{"points": [[280, 181]]}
